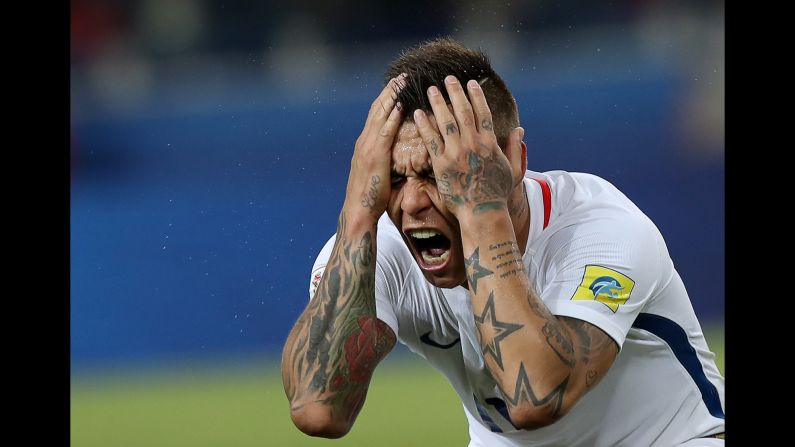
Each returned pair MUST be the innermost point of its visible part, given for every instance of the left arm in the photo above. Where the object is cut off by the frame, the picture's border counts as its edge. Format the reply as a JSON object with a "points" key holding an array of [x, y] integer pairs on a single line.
{"points": [[543, 364]]}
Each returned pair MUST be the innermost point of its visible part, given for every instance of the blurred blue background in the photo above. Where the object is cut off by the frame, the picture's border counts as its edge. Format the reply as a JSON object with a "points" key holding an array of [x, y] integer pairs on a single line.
{"points": [[211, 140]]}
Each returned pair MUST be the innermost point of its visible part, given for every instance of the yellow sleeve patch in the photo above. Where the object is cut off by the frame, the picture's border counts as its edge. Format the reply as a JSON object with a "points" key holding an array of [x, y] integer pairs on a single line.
{"points": [[604, 285]]}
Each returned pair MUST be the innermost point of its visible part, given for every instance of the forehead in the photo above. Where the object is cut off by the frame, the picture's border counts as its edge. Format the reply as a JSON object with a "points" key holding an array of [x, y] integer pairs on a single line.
{"points": [[408, 152]]}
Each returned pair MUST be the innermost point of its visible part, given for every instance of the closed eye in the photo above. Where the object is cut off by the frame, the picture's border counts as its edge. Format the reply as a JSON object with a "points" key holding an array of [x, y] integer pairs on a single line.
{"points": [[398, 180]]}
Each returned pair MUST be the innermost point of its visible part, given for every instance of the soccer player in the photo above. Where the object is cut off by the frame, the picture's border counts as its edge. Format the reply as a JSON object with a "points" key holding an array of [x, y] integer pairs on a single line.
{"points": [[548, 300]]}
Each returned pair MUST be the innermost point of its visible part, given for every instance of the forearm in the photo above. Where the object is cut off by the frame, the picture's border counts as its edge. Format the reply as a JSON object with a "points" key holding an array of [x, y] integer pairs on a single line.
{"points": [[332, 350], [528, 350]]}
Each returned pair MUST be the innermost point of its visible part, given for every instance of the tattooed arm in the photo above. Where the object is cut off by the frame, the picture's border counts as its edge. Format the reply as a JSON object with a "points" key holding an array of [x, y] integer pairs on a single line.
{"points": [[334, 347], [542, 364], [337, 342]]}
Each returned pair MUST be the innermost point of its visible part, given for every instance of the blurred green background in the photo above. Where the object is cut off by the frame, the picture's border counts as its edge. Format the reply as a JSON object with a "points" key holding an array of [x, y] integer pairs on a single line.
{"points": [[243, 404]]}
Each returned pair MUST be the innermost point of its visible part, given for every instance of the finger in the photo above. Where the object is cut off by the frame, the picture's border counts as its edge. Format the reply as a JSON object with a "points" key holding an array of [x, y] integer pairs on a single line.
{"points": [[434, 143], [480, 106], [389, 129], [385, 101], [462, 110], [447, 124]]}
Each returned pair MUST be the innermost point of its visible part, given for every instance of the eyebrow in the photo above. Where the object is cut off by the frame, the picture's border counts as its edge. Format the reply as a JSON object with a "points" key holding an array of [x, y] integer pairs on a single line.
{"points": [[424, 173]]}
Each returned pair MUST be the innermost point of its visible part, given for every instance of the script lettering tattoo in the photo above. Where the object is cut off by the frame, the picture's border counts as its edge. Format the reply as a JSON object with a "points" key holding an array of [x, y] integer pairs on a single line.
{"points": [[491, 331], [508, 258], [523, 392], [338, 339], [474, 270], [486, 184], [369, 197], [486, 124], [450, 128]]}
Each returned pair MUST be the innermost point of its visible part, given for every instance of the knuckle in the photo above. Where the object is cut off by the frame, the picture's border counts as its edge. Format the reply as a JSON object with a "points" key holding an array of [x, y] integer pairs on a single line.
{"points": [[385, 132]]}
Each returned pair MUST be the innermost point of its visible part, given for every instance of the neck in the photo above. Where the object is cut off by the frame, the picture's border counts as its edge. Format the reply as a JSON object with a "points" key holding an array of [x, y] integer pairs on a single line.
{"points": [[520, 215]]}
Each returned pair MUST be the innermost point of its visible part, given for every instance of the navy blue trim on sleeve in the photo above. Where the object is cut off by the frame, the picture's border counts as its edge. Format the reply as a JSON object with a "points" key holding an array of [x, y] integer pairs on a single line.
{"points": [[676, 337]]}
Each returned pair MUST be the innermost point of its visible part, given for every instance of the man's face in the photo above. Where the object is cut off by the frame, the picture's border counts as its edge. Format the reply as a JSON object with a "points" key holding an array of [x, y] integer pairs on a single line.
{"points": [[430, 231]]}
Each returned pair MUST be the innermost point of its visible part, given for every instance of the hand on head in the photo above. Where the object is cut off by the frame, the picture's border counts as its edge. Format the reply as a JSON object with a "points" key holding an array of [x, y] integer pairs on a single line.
{"points": [[472, 173], [368, 190]]}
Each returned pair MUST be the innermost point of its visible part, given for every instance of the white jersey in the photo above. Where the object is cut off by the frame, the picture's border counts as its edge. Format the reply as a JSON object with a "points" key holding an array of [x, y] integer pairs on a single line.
{"points": [[592, 255]]}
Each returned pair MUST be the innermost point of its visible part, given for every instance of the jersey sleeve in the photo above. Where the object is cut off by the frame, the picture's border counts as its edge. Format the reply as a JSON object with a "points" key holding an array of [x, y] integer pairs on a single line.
{"points": [[605, 276], [383, 291]]}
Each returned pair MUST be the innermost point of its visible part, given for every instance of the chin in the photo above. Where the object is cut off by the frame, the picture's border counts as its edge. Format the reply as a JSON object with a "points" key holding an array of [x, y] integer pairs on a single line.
{"points": [[443, 282]]}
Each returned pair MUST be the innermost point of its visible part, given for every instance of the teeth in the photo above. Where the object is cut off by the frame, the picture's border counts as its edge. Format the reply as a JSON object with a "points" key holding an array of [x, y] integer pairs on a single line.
{"points": [[435, 260], [423, 234]]}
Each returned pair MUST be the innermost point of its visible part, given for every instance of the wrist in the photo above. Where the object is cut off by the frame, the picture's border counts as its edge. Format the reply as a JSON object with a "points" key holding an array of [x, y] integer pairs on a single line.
{"points": [[483, 227], [358, 219], [484, 217]]}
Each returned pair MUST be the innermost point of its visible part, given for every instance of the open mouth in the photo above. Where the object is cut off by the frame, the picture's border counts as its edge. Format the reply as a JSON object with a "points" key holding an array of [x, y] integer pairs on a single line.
{"points": [[432, 247]]}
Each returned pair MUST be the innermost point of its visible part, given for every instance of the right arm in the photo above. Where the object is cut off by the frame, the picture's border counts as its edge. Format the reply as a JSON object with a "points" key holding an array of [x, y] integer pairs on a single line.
{"points": [[332, 350], [334, 347]]}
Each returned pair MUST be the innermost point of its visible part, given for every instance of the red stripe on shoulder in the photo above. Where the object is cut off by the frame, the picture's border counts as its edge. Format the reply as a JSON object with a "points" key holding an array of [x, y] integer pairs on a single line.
{"points": [[546, 193]]}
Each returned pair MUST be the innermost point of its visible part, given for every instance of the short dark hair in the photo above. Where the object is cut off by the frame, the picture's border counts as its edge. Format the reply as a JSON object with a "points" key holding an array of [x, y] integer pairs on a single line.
{"points": [[431, 61]]}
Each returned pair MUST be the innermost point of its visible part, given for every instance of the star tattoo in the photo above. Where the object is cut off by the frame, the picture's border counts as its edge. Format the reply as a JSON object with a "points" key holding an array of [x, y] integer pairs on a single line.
{"points": [[524, 392], [474, 270], [492, 331]]}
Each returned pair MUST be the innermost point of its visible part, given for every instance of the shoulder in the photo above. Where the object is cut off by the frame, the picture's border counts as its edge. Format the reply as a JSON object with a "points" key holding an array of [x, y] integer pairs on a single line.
{"points": [[585, 204], [593, 222]]}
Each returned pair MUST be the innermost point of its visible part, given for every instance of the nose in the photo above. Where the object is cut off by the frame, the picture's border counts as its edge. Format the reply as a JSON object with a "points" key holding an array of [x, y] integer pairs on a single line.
{"points": [[415, 197]]}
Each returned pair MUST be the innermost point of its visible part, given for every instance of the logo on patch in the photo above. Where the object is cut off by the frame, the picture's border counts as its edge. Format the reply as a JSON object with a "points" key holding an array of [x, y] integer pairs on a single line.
{"points": [[604, 285]]}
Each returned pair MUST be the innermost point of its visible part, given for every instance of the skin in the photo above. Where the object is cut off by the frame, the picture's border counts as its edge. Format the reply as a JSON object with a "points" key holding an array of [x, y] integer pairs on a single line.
{"points": [[443, 171]]}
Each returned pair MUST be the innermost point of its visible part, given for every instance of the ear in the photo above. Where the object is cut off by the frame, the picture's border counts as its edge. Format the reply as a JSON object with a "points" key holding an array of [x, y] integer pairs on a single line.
{"points": [[516, 153]]}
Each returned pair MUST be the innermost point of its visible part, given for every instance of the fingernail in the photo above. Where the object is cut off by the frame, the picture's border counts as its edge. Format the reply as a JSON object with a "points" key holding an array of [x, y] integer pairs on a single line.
{"points": [[473, 84], [450, 79], [433, 91], [398, 106], [418, 115]]}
